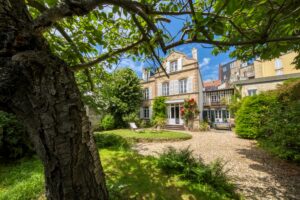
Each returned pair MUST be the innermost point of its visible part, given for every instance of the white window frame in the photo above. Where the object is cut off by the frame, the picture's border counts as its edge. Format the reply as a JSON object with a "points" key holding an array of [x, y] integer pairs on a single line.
{"points": [[146, 93], [174, 66], [214, 98], [165, 89], [183, 86], [278, 64]]}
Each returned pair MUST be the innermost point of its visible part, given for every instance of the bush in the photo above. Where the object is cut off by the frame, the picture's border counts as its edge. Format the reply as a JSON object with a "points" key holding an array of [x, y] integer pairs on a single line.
{"points": [[108, 122], [182, 162], [253, 114], [14, 141], [204, 126], [273, 118], [159, 108], [159, 122], [111, 141], [132, 117]]}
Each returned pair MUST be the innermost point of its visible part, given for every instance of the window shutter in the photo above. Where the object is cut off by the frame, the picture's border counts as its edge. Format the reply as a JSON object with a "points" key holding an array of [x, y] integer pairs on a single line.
{"points": [[168, 67], [190, 84], [150, 112], [141, 112], [179, 64], [159, 88], [176, 87], [171, 87], [150, 93]]}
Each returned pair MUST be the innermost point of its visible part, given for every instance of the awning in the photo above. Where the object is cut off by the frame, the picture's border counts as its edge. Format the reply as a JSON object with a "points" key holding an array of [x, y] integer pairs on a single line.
{"points": [[175, 101]]}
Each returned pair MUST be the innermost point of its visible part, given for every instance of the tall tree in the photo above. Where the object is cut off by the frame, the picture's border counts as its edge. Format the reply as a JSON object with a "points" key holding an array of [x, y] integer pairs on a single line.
{"points": [[44, 41]]}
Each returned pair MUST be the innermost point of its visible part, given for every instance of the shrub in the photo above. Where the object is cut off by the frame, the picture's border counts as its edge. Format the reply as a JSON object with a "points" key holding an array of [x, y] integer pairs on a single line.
{"points": [[132, 117], [183, 163], [159, 108], [189, 112], [108, 122], [204, 126], [111, 141], [253, 114], [159, 122], [14, 141], [273, 118]]}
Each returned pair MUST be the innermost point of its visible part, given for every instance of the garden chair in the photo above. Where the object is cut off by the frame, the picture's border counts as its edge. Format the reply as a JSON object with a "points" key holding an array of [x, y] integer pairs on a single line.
{"points": [[134, 127]]}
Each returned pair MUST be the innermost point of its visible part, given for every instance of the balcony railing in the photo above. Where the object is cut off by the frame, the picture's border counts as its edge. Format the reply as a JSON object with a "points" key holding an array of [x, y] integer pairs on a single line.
{"points": [[216, 103]]}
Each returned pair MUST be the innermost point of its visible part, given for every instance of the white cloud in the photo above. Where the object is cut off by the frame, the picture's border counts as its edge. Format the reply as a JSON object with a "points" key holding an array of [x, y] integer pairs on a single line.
{"points": [[128, 62], [204, 62]]}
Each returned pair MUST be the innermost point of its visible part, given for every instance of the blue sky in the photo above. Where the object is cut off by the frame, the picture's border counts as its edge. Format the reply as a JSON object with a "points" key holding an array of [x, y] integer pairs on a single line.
{"points": [[208, 63]]}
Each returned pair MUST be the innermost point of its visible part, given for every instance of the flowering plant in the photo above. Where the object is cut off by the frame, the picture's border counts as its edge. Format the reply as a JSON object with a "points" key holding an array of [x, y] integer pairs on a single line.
{"points": [[189, 111]]}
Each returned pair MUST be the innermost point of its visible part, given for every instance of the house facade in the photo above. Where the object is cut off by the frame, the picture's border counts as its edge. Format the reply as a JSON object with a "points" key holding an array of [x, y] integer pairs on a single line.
{"points": [[268, 74], [184, 82], [216, 101]]}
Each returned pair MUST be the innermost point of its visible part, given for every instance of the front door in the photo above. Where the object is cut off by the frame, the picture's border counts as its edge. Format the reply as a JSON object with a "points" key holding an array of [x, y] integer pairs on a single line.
{"points": [[174, 114]]}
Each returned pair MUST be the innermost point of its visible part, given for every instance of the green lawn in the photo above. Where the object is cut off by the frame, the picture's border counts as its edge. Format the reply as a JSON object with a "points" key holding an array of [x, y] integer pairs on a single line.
{"points": [[129, 176], [149, 135]]}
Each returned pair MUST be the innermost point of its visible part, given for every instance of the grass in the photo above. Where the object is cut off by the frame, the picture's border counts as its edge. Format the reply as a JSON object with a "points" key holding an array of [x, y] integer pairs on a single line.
{"points": [[128, 174], [22, 179], [149, 135]]}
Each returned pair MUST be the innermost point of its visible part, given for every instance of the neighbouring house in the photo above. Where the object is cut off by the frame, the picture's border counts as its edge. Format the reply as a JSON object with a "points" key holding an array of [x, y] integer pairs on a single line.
{"points": [[268, 74], [216, 101], [258, 85], [234, 71], [276, 67], [184, 82]]}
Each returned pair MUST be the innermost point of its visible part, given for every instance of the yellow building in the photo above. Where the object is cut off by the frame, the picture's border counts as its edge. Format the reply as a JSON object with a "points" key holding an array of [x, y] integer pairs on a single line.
{"points": [[184, 82], [276, 67]]}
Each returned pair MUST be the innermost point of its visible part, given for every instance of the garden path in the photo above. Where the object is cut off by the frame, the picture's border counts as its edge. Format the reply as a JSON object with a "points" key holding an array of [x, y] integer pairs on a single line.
{"points": [[257, 174]]}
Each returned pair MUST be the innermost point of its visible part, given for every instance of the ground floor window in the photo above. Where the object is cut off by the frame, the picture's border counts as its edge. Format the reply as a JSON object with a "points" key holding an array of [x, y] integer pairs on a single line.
{"points": [[216, 115], [146, 112]]}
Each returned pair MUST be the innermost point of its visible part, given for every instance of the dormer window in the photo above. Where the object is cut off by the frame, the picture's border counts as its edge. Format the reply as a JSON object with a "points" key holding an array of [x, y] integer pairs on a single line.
{"points": [[146, 75], [174, 66]]}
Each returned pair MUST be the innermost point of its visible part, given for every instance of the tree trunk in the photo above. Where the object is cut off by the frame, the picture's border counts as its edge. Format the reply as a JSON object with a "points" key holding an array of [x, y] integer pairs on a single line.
{"points": [[41, 90]]}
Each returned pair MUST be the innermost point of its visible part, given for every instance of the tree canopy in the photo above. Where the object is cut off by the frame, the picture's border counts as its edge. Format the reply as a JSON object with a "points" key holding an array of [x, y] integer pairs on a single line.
{"points": [[91, 33]]}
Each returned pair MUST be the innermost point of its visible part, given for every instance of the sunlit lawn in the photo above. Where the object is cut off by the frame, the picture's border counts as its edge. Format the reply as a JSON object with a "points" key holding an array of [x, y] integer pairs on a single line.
{"points": [[149, 135], [129, 176]]}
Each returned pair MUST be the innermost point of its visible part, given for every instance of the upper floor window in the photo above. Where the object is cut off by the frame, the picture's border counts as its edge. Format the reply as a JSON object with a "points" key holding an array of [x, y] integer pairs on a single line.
{"points": [[224, 69], [231, 65], [245, 64], [213, 98], [165, 89], [174, 66], [278, 64], [182, 86], [146, 93], [252, 92]]}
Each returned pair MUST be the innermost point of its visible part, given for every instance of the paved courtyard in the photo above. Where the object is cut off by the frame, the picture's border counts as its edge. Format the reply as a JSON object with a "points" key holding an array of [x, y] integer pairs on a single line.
{"points": [[256, 174]]}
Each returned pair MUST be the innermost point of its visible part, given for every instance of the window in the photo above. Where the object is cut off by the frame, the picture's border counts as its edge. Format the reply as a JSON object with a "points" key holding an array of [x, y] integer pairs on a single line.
{"points": [[278, 64], [224, 77], [252, 92], [146, 112], [224, 69], [146, 93], [245, 64], [182, 86], [165, 89], [174, 66], [231, 65], [213, 98]]}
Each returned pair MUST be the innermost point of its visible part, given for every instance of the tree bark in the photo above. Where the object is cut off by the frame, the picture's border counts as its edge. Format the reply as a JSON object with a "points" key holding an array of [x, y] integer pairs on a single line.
{"points": [[41, 90]]}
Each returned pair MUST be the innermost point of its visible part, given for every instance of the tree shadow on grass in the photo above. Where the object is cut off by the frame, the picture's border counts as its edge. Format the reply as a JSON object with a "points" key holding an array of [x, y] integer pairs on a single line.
{"points": [[285, 177], [132, 176]]}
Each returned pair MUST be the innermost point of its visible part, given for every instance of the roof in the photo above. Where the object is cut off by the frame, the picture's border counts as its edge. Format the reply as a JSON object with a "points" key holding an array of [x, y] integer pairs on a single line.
{"points": [[214, 83], [267, 79]]}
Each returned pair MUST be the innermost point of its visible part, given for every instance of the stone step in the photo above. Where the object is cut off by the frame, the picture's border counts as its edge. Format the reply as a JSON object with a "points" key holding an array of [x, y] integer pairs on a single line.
{"points": [[174, 127]]}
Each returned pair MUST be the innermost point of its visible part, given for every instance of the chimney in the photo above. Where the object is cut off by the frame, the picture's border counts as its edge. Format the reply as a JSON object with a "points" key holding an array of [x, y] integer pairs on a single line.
{"points": [[195, 53]]}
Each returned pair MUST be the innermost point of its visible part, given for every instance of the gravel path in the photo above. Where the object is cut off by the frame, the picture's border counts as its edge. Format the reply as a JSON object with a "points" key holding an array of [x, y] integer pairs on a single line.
{"points": [[256, 174]]}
